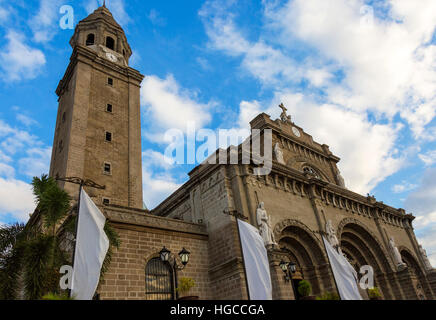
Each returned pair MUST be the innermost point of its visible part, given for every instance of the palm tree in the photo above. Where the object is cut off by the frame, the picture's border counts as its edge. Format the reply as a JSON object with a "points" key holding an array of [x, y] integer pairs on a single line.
{"points": [[30, 259]]}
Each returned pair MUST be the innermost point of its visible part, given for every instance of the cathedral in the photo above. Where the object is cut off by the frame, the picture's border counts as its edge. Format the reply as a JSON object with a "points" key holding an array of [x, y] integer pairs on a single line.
{"points": [[98, 138]]}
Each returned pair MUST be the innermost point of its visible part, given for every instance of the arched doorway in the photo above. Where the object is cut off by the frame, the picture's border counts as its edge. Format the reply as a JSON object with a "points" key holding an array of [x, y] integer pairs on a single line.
{"points": [[305, 251], [361, 248], [420, 282]]}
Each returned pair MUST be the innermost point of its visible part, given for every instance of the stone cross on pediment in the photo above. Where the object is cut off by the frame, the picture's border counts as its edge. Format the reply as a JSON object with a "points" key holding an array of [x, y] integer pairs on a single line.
{"points": [[284, 116]]}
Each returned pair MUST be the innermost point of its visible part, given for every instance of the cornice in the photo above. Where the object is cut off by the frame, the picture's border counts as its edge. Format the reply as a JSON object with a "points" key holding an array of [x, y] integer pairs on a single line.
{"points": [[131, 216]]}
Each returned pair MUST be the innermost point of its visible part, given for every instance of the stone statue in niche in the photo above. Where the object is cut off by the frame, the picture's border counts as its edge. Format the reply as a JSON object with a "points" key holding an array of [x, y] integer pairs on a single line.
{"points": [[264, 223], [331, 236], [279, 154], [340, 179], [397, 256], [427, 263]]}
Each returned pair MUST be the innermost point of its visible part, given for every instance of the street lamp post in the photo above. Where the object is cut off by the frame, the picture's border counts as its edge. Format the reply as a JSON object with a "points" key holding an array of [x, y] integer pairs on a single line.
{"points": [[167, 257], [288, 269]]}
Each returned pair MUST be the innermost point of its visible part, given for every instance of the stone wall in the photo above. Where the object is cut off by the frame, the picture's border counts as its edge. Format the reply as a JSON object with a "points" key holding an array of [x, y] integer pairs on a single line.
{"points": [[142, 237]]}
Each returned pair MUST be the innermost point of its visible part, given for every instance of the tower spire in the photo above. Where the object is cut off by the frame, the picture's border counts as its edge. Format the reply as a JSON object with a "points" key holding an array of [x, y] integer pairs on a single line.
{"points": [[104, 3]]}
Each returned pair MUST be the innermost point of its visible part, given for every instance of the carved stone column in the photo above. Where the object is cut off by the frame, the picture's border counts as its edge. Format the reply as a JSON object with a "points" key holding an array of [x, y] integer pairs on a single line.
{"points": [[432, 281], [282, 290], [408, 283], [395, 284]]}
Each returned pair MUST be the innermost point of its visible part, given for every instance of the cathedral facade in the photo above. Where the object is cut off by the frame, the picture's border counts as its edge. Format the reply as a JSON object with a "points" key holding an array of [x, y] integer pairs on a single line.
{"points": [[98, 137]]}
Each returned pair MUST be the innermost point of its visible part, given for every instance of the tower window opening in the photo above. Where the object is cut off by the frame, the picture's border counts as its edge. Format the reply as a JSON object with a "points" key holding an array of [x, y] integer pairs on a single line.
{"points": [[64, 117], [109, 108], [107, 168], [110, 81], [110, 43], [108, 136], [106, 201], [90, 39]]}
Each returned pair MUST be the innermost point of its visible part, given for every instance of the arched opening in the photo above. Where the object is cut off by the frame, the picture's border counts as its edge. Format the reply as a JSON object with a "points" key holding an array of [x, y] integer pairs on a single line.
{"points": [[361, 249], [90, 39], [159, 280], [110, 43], [308, 256], [421, 284]]}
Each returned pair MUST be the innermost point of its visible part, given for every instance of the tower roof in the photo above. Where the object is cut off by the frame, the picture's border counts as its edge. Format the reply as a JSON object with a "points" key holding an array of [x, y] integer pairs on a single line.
{"points": [[102, 13]]}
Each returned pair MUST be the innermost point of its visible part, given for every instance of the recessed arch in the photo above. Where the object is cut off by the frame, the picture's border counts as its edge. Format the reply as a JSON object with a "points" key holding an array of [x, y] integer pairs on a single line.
{"points": [[306, 252], [356, 239], [412, 263]]}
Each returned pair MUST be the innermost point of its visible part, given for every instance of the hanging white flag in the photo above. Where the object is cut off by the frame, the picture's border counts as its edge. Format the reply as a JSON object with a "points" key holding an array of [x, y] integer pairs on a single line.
{"points": [[344, 273], [92, 245], [256, 262]]}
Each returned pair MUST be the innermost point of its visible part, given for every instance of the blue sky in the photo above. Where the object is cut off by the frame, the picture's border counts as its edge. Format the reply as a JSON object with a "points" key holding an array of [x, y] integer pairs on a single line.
{"points": [[359, 76]]}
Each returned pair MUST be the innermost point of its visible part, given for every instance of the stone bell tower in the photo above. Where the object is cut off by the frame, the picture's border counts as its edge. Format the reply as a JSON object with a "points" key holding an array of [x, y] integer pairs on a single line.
{"points": [[98, 127]]}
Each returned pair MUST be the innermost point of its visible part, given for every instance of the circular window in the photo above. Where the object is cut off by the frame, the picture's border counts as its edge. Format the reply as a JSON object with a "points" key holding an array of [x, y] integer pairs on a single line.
{"points": [[311, 171]]}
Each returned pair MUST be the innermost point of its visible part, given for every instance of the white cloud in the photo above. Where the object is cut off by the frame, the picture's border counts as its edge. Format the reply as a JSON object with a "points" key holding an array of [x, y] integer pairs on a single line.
{"points": [[403, 187], [204, 64], [389, 66], [156, 19], [6, 171], [4, 14], [429, 158], [14, 140], [4, 157], [169, 106], [36, 163], [158, 183], [45, 24], [27, 121], [18, 60], [29, 154], [16, 199], [267, 64], [422, 203], [20, 153], [156, 159], [428, 241]]}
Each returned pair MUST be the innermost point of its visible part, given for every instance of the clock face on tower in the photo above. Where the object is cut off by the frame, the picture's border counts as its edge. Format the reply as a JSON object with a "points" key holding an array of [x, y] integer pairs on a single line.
{"points": [[111, 57]]}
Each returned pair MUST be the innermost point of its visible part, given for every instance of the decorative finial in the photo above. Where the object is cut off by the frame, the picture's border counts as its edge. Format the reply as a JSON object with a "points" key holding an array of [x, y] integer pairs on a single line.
{"points": [[104, 3], [284, 116]]}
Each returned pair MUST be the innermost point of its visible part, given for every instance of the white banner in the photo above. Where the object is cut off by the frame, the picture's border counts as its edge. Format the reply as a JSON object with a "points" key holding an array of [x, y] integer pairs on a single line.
{"points": [[256, 262], [344, 273], [92, 245]]}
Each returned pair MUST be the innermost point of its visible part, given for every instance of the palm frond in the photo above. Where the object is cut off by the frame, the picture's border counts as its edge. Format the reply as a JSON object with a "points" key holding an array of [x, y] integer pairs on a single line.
{"points": [[10, 272], [9, 235], [36, 266], [40, 185], [54, 205]]}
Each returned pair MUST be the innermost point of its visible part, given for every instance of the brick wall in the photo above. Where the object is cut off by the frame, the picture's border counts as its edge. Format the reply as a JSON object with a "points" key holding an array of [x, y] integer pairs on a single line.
{"points": [[142, 237]]}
